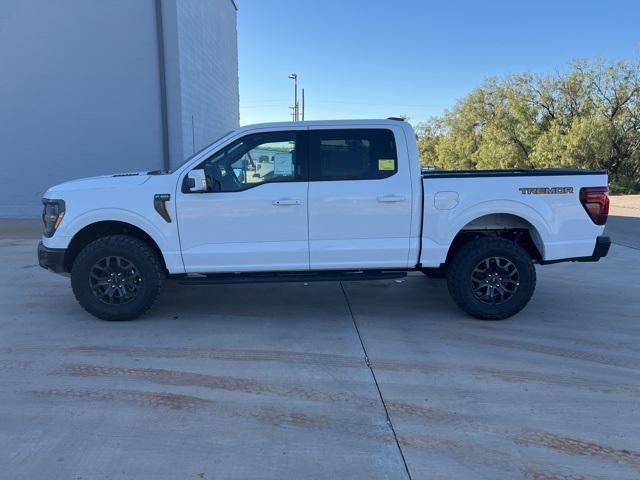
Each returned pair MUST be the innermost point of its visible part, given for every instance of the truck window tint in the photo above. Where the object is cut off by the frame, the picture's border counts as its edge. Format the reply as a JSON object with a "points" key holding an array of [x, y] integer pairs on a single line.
{"points": [[366, 154], [253, 160]]}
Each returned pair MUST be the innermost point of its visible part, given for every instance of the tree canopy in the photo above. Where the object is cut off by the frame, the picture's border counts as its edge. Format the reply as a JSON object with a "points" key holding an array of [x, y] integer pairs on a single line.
{"points": [[586, 117]]}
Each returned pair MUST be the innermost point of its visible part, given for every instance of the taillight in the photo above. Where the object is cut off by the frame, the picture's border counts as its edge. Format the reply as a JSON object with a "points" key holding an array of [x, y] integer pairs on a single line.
{"points": [[596, 202]]}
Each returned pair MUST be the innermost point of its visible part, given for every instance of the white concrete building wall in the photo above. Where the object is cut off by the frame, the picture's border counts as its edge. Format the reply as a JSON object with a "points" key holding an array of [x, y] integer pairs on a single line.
{"points": [[79, 94], [208, 71], [80, 88]]}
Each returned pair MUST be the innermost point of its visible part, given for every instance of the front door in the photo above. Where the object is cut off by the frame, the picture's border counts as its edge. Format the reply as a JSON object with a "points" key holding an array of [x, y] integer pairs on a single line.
{"points": [[360, 199], [254, 218]]}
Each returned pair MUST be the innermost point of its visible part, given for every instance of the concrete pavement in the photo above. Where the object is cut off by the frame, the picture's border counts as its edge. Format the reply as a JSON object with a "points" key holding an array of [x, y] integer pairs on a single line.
{"points": [[624, 220], [272, 381]]}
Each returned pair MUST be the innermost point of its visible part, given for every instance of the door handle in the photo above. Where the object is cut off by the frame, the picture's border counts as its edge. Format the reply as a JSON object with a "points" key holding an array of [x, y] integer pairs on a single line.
{"points": [[391, 198], [281, 202]]}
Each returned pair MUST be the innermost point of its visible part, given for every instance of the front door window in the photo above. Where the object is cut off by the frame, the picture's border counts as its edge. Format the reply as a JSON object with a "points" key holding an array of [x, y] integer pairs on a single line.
{"points": [[252, 161]]}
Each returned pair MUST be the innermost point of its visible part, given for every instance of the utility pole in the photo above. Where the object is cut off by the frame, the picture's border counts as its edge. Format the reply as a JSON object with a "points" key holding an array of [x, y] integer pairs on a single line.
{"points": [[303, 104], [294, 77]]}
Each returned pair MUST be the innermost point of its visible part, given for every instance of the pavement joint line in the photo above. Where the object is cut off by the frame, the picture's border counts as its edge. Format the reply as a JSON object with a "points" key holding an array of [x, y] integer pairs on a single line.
{"points": [[616, 242], [375, 381]]}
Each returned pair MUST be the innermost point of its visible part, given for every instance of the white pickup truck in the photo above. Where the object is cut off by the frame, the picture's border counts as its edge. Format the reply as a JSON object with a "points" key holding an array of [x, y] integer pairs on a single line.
{"points": [[343, 200]]}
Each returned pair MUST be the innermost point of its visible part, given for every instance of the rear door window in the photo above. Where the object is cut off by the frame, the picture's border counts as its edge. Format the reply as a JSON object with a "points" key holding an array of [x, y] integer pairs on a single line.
{"points": [[354, 154]]}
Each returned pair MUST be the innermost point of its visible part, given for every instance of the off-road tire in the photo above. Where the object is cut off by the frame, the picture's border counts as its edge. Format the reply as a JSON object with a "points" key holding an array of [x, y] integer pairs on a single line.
{"points": [[469, 257], [148, 267]]}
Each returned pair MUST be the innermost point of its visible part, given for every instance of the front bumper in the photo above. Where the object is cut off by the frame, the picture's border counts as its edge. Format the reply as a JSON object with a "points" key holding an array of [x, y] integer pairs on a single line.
{"points": [[51, 258]]}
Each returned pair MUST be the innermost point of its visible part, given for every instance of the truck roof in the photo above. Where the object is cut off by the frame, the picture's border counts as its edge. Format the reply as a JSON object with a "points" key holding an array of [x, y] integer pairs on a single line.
{"points": [[319, 123]]}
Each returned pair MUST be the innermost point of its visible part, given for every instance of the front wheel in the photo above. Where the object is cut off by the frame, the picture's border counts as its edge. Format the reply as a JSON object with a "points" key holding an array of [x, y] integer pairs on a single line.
{"points": [[491, 278], [117, 278]]}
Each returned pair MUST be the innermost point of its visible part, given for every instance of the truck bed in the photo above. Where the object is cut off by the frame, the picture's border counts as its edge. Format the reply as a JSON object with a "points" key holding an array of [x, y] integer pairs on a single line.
{"points": [[545, 202]]}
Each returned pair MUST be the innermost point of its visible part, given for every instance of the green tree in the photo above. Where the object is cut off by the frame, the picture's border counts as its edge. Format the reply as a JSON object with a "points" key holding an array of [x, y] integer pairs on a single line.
{"points": [[587, 117]]}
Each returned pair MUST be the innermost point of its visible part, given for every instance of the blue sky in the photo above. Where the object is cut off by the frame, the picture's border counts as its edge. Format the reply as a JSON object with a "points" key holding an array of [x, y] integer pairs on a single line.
{"points": [[379, 58]]}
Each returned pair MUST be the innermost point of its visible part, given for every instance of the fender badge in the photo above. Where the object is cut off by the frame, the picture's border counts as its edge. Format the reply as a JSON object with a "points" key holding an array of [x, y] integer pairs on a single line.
{"points": [[546, 190]]}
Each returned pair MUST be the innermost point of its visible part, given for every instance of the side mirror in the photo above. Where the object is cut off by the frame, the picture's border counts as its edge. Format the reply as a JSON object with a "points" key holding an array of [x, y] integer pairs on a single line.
{"points": [[197, 181]]}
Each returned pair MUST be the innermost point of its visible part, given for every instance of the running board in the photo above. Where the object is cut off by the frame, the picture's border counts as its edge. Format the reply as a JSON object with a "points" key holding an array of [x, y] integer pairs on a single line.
{"points": [[284, 277]]}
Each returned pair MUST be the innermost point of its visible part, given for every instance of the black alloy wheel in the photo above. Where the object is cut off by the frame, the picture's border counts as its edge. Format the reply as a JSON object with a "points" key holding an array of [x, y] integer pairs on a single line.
{"points": [[117, 277], [495, 280], [491, 278], [115, 280]]}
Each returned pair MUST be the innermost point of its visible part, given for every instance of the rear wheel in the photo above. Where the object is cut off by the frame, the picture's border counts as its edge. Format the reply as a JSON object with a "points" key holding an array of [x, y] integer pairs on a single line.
{"points": [[117, 278], [491, 278]]}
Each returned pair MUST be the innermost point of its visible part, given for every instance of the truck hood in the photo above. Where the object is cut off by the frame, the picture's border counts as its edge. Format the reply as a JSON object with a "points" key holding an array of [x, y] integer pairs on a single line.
{"points": [[119, 180]]}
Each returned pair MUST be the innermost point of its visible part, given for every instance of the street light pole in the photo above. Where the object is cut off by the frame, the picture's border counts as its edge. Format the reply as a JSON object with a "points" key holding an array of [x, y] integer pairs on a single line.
{"points": [[294, 77]]}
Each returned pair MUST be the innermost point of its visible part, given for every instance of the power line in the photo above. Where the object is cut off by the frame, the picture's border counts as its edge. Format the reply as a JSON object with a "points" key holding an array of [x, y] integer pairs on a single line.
{"points": [[417, 105], [343, 102], [265, 106]]}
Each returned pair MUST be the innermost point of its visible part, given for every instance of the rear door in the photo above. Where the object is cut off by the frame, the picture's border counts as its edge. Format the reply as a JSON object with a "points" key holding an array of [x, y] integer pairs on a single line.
{"points": [[360, 208]]}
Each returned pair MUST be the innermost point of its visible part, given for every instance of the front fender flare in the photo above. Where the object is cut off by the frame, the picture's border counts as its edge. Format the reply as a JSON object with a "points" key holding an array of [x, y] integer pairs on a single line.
{"points": [[115, 215]]}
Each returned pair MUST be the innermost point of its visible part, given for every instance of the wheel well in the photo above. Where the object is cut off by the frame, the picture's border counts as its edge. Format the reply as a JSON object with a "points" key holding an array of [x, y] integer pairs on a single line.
{"points": [[102, 229], [506, 226]]}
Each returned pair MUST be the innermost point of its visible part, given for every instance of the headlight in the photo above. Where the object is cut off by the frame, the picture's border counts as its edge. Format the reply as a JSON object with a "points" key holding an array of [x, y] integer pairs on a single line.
{"points": [[52, 215]]}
